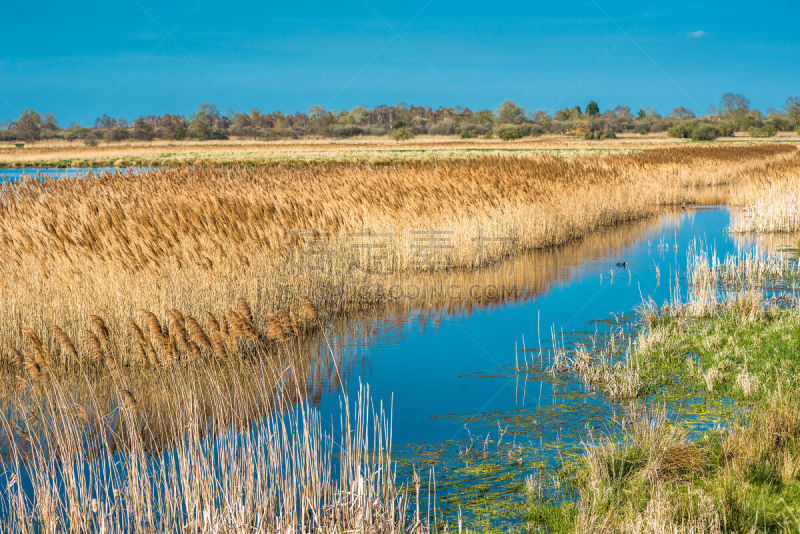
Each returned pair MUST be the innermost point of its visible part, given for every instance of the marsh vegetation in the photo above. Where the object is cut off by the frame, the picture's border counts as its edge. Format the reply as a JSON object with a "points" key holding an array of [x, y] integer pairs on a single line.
{"points": [[167, 335], [731, 338]]}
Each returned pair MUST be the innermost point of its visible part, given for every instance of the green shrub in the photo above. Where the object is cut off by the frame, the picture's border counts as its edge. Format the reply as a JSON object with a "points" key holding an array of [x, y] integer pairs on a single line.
{"points": [[510, 134], [507, 132], [402, 133], [349, 130], [768, 130], [273, 134], [704, 132], [537, 129], [598, 134], [682, 130], [700, 131], [117, 133], [724, 129]]}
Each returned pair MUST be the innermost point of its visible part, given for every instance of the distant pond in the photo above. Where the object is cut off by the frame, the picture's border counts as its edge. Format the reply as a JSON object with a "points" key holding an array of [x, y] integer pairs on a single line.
{"points": [[10, 174]]}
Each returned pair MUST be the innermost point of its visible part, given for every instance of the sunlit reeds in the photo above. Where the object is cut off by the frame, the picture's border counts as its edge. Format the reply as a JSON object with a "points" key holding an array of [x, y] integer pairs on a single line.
{"points": [[289, 472], [738, 282], [770, 202], [770, 208], [198, 239]]}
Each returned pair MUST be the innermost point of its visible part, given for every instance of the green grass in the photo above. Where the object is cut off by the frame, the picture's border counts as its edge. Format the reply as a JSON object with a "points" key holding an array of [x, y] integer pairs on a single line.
{"points": [[745, 478], [732, 355]]}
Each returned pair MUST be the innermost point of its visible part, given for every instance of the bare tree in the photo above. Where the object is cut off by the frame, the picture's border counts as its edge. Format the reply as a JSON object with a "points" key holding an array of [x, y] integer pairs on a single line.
{"points": [[792, 109], [29, 126], [682, 113]]}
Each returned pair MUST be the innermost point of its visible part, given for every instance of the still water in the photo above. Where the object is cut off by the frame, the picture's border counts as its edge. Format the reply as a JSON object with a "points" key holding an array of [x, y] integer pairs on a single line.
{"points": [[450, 369], [442, 366], [10, 174]]}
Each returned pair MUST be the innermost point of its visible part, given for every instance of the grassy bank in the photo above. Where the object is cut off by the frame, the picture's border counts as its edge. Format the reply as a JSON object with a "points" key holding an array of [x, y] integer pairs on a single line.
{"points": [[726, 341], [745, 478]]}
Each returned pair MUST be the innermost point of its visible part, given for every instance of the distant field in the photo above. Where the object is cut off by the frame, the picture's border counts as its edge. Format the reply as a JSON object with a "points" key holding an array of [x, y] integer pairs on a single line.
{"points": [[240, 151]]}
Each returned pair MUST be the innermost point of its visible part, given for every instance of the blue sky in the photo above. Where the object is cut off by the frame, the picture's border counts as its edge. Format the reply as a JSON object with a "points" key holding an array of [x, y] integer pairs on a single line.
{"points": [[130, 58]]}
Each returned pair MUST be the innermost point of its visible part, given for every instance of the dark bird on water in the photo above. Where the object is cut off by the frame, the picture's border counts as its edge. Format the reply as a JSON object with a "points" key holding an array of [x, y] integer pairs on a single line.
{"points": [[622, 264]]}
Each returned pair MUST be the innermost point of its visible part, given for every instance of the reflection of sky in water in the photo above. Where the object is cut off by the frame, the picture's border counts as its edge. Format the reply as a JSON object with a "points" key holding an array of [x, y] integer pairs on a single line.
{"points": [[464, 364], [452, 382]]}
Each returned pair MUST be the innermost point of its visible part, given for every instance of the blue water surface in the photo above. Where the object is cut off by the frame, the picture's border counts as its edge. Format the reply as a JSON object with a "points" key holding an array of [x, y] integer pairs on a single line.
{"points": [[10, 173], [454, 384]]}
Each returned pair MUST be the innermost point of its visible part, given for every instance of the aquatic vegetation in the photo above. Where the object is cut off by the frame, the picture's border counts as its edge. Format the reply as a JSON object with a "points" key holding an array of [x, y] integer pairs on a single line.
{"points": [[486, 480], [736, 337], [606, 366]]}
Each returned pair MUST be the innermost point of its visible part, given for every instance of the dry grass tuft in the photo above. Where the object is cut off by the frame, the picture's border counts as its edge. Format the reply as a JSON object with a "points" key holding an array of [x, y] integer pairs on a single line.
{"points": [[308, 311]]}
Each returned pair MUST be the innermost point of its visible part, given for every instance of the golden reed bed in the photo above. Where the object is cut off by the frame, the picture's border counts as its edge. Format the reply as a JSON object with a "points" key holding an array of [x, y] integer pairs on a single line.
{"points": [[308, 362], [181, 251]]}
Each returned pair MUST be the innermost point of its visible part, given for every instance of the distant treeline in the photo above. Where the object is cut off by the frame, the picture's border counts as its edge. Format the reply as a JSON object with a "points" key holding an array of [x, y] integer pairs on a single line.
{"points": [[510, 121]]}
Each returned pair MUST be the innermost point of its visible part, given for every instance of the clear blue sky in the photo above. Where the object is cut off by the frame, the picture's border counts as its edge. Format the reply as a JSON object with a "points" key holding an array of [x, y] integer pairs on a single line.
{"points": [[130, 58]]}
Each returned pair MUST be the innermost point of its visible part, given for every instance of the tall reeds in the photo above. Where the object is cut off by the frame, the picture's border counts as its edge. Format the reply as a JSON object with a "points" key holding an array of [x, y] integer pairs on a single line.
{"points": [[287, 473], [770, 201], [199, 239]]}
